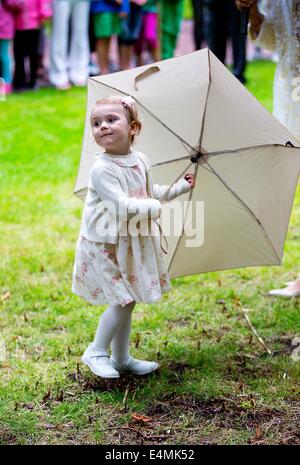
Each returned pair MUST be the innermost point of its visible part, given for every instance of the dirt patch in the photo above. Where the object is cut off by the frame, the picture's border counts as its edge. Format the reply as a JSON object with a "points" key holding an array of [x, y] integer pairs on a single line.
{"points": [[6, 436], [186, 420]]}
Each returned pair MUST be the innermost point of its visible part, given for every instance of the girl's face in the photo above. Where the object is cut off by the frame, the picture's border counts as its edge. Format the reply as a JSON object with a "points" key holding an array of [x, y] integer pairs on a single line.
{"points": [[111, 129]]}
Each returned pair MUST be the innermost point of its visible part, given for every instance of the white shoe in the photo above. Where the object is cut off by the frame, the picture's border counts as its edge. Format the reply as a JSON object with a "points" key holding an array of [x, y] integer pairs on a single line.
{"points": [[284, 292], [138, 367], [98, 363]]}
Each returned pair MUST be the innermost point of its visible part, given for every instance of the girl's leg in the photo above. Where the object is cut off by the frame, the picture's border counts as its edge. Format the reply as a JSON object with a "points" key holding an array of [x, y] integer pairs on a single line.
{"points": [[110, 321], [102, 49], [121, 360], [120, 343], [96, 355]]}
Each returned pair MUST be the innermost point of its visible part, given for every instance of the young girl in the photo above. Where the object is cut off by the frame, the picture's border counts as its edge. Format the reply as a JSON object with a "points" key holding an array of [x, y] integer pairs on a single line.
{"points": [[113, 265]]}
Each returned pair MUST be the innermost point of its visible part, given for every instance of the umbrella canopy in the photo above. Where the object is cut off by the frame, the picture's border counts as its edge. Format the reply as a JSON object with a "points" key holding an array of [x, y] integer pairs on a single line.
{"points": [[198, 117]]}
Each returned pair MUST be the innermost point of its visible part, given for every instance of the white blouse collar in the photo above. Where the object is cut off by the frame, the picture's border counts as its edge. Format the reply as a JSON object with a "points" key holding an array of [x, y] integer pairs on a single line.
{"points": [[131, 159]]}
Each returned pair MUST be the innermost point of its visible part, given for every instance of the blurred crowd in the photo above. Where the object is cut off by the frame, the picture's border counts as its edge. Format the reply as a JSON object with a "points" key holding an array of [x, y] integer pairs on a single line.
{"points": [[61, 43]]}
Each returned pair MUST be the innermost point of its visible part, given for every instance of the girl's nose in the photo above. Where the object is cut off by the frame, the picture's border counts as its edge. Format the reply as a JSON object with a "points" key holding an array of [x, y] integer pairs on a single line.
{"points": [[103, 125]]}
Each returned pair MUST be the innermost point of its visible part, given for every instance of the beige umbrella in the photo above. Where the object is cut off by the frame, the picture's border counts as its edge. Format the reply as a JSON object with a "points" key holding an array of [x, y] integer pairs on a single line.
{"points": [[190, 106]]}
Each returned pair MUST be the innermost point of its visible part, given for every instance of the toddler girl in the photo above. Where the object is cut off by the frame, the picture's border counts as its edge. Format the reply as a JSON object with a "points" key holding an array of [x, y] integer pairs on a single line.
{"points": [[113, 264]]}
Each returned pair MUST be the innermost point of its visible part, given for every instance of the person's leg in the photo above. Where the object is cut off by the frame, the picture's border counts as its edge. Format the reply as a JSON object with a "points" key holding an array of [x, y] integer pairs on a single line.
{"points": [[120, 342], [96, 355], [151, 35], [5, 65], [105, 25], [110, 321], [238, 44], [121, 359], [218, 28], [80, 49], [19, 57], [58, 74], [198, 22], [125, 55], [102, 49], [33, 37], [170, 17], [139, 45]]}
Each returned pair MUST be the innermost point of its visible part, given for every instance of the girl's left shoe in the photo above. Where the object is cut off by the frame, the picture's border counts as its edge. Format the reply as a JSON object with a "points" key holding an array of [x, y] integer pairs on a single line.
{"points": [[135, 366], [285, 292]]}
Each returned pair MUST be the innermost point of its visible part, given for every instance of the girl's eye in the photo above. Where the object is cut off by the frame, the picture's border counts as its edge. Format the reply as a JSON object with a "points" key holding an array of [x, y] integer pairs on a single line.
{"points": [[96, 124], [111, 120]]}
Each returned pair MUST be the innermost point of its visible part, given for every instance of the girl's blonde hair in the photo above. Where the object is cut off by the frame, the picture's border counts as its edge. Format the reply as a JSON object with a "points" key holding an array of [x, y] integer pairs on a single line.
{"points": [[129, 106]]}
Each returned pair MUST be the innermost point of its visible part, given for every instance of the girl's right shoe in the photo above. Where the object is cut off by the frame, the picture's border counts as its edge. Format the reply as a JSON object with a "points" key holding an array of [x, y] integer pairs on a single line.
{"points": [[98, 363]]}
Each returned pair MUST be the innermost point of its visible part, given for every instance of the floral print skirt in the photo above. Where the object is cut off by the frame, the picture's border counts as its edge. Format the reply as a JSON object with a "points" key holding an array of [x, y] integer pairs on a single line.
{"points": [[117, 274]]}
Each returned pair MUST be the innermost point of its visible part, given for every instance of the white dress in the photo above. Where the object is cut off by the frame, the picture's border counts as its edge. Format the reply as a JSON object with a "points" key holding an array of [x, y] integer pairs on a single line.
{"points": [[280, 32], [132, 269]]}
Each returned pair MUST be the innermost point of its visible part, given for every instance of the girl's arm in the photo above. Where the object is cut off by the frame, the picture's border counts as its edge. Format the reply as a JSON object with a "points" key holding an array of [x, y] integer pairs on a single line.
{"points": [[107, 185], [180, 187]]}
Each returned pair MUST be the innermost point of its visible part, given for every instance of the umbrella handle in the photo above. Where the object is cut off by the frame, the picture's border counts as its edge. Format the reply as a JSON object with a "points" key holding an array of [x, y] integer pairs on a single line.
{"points": [[144, 74]]}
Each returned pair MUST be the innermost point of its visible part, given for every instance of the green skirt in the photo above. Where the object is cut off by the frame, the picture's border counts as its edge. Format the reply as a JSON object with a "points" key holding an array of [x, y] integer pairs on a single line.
{"points": [[106, 25]]}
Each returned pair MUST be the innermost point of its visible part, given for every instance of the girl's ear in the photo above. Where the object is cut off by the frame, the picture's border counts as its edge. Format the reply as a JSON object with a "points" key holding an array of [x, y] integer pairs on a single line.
{"points": [[133, 128]]}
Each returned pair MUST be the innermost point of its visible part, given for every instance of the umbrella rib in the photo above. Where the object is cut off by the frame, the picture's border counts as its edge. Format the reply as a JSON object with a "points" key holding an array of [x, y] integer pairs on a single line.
{"points": [[152, 114], [241, 149], [206, 101], [180, 159]]}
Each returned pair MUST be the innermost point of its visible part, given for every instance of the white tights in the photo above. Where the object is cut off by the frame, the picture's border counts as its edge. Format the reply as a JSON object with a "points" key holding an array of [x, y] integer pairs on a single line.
{"points": [[114, 327]]}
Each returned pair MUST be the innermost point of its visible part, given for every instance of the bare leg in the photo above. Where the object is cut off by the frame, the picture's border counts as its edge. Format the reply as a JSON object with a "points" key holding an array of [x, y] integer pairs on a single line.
{"points": [[102, 49], [125, 56], [155, 53]]}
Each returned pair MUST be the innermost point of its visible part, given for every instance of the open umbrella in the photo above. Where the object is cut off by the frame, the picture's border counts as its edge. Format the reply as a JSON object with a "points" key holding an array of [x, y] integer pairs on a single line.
{"points": [[197, 116]]}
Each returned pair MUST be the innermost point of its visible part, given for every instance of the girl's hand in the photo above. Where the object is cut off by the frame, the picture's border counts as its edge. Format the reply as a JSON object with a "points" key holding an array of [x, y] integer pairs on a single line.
{"points": [[190, 178]]}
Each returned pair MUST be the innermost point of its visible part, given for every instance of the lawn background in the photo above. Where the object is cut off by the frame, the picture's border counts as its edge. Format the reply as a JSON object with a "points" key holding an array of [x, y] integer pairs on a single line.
{"points": [[216, 384]]}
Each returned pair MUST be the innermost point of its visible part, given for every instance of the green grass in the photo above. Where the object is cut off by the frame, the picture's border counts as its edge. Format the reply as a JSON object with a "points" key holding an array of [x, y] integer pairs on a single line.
{"points": [[216, 383]]}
